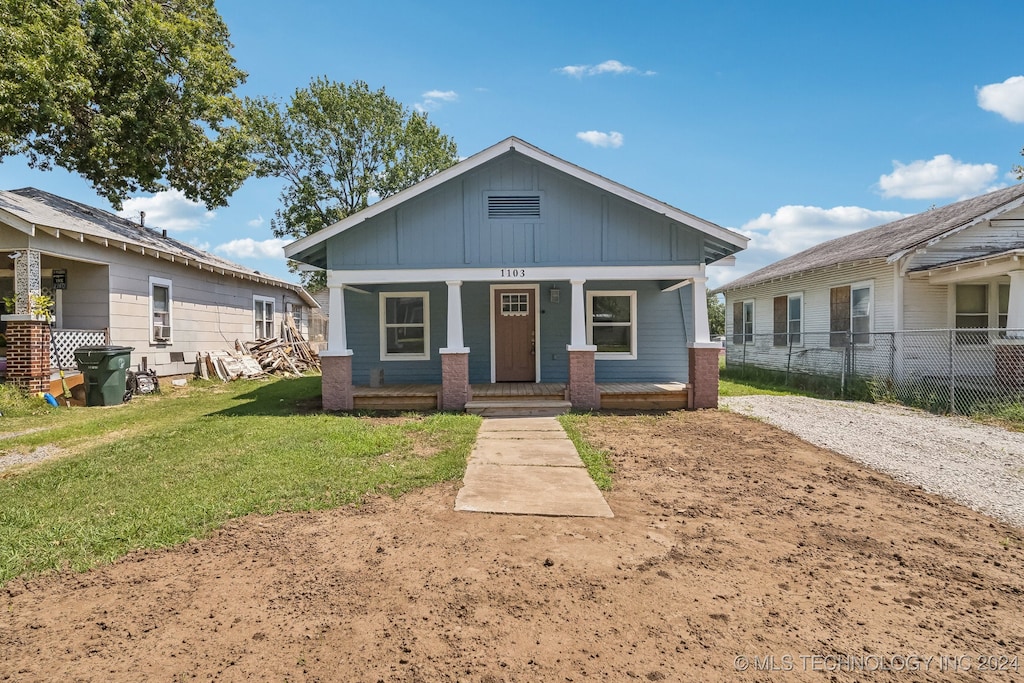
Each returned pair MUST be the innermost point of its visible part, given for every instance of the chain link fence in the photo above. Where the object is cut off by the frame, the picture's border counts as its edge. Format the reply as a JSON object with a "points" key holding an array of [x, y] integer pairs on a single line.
{"points": [[948, 371]]}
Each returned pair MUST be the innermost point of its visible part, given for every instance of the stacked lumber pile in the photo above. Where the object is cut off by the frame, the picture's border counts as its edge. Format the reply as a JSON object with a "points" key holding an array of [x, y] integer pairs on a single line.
{"points": [[291, 355]]}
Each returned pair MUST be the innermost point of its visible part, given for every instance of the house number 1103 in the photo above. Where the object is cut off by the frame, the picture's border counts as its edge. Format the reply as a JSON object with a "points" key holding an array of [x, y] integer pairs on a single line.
{"points": [[513, 272]]}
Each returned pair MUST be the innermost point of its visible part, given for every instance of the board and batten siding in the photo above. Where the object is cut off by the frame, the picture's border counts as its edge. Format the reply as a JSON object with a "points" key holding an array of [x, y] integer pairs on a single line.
{"points": [[579, 224], [664, 319]]}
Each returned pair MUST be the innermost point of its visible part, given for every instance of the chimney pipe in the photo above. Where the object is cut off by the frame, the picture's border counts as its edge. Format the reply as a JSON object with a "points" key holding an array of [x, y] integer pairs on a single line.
{"points": [[142, 219]]}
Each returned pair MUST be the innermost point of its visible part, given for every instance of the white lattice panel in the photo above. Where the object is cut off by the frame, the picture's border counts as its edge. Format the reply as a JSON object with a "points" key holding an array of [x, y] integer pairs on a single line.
{"points": [[62, 350]]}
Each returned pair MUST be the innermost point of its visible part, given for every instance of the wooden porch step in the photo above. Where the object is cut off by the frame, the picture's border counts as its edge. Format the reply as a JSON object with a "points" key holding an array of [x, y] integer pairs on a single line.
{"points": [[521, 408]]}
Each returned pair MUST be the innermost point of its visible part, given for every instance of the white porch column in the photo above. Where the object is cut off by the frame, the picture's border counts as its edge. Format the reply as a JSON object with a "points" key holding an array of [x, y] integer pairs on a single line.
{"points": [[578, 330], [1015, 309], [455, 338], [337, 336], [701, 330]]}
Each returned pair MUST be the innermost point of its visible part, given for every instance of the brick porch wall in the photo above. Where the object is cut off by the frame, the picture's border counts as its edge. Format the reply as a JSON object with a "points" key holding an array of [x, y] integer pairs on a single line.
{"points": [[455, 391], [336, 382], [704, 377], [582, 388], [28, 355]]}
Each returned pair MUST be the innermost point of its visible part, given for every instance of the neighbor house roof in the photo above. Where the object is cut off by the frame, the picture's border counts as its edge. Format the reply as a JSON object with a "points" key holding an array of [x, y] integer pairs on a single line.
{"points": [[307, 249], [30, 210], [892, 240]]}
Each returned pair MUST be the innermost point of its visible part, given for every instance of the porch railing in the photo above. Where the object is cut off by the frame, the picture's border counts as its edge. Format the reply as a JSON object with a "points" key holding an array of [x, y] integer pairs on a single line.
{"points": [[62, 350]]}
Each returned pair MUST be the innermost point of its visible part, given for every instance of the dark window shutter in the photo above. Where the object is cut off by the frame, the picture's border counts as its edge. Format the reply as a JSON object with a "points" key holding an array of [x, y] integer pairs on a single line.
{"points": [[780, 321], [839, 316]]}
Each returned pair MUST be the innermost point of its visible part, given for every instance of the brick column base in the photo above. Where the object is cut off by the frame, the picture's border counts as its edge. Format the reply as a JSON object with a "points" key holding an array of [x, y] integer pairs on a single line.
{"points": [[336, 382], [1010, 364], [582, 390], [28, 355], [454, 381], [704, 377]]}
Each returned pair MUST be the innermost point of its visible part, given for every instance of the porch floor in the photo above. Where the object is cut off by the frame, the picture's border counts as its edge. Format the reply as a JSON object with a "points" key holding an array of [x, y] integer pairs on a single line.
{"points": [[615, 395]]}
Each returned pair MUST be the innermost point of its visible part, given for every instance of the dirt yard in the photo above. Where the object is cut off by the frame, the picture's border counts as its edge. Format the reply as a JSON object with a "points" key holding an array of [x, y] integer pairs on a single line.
{"points": [[737, 553]]}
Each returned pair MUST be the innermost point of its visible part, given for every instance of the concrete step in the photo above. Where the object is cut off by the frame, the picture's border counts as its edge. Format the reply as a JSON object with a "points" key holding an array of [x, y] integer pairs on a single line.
{"points": [[521, 408]]}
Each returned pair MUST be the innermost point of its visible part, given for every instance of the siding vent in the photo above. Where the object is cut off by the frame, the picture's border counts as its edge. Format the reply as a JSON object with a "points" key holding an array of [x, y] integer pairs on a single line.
{"points": [[510, 207]]}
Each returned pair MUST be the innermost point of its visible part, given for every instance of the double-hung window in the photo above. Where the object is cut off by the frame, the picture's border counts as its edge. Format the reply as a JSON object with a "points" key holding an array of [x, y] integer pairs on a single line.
{"points": [[971, 314], [404, 326], [743, 322], [160, 306], [263, 317], [611, 324], [850, 314], [787, 323]]}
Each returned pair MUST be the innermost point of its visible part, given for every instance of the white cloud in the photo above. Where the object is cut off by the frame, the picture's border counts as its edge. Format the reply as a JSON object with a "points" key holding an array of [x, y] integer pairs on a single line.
{"points": [[596, 138], [1005, 99], [169, 210], [774, 236], [250, 248], [942, 176], [610, 66], [795, 228], [256, 222], [433, 99]]}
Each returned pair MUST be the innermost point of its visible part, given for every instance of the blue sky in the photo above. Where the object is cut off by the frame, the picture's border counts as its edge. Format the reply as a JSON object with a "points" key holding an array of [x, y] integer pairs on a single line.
{"points": [[792, 122]]}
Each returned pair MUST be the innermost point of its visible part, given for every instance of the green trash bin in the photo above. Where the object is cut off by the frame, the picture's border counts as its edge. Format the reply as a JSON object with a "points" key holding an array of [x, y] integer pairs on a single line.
{"points": [[105, 370]]}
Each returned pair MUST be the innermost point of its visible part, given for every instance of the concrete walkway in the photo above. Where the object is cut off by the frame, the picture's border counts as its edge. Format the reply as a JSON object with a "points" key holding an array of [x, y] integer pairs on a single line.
{"points": [[528, 466]]}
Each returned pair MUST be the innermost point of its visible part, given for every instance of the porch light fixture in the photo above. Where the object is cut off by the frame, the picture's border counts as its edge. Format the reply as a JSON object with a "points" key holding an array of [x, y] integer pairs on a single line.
{"points": [[553, 295]]}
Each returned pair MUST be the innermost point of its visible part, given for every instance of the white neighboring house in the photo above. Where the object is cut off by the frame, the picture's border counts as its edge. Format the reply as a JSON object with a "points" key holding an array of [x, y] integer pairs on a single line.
{"points": [[956, 270], [116, 282]]}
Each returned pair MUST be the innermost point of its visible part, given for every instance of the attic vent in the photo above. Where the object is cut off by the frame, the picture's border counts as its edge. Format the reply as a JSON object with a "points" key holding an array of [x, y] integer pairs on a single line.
{"points": [[517, 206]]}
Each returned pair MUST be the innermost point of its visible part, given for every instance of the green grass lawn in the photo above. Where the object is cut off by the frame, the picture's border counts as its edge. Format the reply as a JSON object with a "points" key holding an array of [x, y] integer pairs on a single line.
{"points": [[162, 469]]}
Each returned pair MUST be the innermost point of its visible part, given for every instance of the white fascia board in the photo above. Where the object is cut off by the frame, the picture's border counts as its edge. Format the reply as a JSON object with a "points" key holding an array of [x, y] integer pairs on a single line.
{"points": [[17, 223], [528, 274], [539, 155], [982, 267]]}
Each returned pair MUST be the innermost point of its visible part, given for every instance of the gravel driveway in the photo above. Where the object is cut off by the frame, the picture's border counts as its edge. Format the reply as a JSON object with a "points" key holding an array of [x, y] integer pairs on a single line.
{"points": [[979, 466]]}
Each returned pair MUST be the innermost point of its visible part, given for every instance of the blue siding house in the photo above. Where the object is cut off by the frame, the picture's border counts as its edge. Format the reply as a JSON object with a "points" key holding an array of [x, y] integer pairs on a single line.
{"points": [[516, 266]]}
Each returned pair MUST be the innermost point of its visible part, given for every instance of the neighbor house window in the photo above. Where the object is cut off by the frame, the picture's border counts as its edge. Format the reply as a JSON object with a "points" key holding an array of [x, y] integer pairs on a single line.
{"points": [[787, 319], [612, 324], [850, 314], [404, 326], [743, 322], [971, 314], [160, 303], [263, 317]]}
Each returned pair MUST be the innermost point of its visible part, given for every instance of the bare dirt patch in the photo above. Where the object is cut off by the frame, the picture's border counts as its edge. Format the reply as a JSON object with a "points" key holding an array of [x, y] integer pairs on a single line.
{"points": [[731, 540]]}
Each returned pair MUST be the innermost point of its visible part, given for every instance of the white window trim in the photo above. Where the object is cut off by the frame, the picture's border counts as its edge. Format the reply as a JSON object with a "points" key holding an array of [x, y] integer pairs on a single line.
{"points": [[870, 286], [382, 317], [161, 282], [753, 323], [803, 314], [273, 312], [992, 311], [633, 323]]}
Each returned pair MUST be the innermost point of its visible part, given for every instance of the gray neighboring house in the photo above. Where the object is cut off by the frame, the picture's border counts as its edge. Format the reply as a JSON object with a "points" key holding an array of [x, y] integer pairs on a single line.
{"points": [[936, 294], [116, 282], [516, 267]]}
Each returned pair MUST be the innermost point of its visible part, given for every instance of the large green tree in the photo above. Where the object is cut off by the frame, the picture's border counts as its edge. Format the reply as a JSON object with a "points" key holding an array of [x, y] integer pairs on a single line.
{"points": [[338, 147], [130, 94], [716, 315]]}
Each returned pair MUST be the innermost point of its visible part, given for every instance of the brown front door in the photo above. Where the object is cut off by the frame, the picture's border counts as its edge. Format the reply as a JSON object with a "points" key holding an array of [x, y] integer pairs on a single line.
{"points": [[515, 318]]}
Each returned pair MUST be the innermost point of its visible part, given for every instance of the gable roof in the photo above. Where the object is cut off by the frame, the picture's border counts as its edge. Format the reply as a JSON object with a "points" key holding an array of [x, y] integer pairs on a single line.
{"points": [[890, 241], [29, 210], [309, 249]]}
